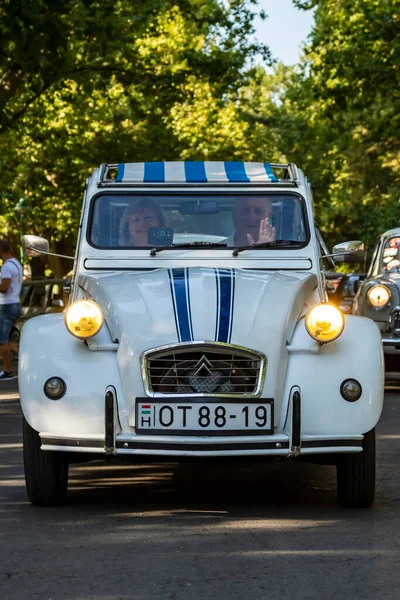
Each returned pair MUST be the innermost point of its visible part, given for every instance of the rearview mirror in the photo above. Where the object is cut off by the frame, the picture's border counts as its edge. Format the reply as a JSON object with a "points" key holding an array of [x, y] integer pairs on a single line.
{"points": [[199, 207]]}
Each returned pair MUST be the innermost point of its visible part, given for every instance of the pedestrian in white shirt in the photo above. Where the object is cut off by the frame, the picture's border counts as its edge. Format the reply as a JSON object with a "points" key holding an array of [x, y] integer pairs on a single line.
{"points": [[10, 308]]}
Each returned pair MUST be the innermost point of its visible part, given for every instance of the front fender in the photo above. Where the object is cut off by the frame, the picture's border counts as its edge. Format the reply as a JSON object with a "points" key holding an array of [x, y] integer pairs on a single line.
{"points": [[48, 350], [356, 354]]}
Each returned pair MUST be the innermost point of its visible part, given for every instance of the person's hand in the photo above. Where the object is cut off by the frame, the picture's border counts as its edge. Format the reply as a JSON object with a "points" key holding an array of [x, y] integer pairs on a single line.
{"points": [[266, 233]]}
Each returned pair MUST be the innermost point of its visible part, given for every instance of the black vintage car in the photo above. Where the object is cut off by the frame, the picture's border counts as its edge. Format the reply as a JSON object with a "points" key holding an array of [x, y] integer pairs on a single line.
{"points": [[379, 297]]}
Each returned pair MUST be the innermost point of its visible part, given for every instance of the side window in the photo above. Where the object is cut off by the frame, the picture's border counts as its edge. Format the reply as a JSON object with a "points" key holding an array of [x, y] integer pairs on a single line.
{"points": [[328, 263]]}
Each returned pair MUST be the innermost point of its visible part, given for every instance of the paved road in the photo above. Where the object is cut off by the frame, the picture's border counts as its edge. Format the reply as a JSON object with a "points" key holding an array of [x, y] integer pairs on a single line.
{"points": [[168, 532]]}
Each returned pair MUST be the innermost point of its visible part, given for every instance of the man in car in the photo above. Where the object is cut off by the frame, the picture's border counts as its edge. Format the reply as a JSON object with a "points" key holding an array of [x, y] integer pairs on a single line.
{"points": [[251, 217]]}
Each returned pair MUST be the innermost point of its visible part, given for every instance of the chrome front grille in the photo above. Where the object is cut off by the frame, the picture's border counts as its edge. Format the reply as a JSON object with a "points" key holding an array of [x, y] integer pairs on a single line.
{"points": [[201, 369]]}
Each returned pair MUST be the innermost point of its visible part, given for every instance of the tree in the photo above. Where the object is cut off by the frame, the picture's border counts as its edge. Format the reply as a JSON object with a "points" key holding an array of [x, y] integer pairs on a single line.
{"points": [[337, 115], [84, 82]]}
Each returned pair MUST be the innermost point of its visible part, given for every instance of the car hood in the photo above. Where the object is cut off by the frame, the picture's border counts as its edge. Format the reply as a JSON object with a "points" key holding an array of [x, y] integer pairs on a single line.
{"points": [[255, 309]]}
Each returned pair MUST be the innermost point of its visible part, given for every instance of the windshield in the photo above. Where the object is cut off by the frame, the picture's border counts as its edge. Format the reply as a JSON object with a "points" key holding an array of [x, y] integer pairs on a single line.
{"points": [[143, 221], [391, 255]]}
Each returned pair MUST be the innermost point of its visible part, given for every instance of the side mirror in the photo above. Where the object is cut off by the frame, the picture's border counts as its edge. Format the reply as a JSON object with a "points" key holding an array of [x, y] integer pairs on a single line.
{"points": [[199, 207], [349, 252], [33, 245]]}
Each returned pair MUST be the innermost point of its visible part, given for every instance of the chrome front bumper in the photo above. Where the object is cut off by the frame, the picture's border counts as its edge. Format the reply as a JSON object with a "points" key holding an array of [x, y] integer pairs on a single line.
{"points": [[288, 443], [168, 447]]}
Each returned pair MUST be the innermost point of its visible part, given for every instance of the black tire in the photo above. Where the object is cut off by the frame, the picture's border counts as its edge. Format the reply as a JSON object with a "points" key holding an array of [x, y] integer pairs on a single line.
{"points": [[15, 337], [46, 472], [356, 475]]}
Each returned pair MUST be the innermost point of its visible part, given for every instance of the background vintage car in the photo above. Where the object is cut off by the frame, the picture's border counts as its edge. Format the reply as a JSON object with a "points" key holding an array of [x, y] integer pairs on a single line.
{"points": [[332, 279], [39, 297], [344, 293], [382, 304]]}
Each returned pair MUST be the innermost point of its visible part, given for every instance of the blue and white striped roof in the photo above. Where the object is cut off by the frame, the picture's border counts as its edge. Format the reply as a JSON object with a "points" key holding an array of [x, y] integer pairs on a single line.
{"points": [[195, 172]]}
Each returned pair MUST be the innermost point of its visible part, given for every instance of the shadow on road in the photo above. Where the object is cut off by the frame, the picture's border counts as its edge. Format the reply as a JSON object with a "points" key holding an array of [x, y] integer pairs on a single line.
{"points": [[206, 483], [204, 530], [243, 486]]}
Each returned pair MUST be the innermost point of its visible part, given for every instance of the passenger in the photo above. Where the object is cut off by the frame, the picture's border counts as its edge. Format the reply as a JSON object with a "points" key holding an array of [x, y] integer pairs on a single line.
{"points": [[251, 217], [136, 220]]}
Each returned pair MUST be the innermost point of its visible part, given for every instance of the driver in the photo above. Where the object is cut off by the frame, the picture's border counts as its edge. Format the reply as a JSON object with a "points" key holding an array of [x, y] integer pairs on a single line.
{"points": [[251, 217], [136, 220]]}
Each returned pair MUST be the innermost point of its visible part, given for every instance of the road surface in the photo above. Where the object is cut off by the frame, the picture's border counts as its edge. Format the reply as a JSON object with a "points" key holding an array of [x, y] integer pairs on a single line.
{"points": [[199, 531]]}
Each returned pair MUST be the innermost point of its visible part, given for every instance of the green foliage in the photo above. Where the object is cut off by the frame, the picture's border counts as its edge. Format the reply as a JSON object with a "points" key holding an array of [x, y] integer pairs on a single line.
{"points": [[337, 115], [84, 82]]}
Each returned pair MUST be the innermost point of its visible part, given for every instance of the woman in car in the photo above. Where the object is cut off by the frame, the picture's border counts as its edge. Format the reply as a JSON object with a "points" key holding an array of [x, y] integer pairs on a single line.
{"points": [[136, 220]]}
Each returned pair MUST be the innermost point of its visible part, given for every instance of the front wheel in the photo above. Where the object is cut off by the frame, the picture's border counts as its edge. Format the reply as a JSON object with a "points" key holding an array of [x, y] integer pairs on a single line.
{"points": [[15, 337], [356, 475], [46, 472]]}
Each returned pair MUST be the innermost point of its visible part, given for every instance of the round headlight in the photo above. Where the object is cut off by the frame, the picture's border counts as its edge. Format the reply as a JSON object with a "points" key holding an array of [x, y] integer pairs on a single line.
{"points": [[324, 322], [84, 318], [378, 295]]}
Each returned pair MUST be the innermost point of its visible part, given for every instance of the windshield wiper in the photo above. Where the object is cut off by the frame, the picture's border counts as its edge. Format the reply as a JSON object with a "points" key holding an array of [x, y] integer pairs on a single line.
{"points": [[188, 245], [272, 244]]}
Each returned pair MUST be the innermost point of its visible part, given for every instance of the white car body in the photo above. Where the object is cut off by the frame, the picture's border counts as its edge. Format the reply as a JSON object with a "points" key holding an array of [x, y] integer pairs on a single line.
{"points": [[203, 298]]}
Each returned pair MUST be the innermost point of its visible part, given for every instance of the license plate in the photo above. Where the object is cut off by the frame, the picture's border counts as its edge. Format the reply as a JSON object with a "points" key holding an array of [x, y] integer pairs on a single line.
{"points": [[180, 417]]}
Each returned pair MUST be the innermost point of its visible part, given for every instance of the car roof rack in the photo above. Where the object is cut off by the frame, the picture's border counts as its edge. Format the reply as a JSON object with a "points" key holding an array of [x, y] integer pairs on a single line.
{"points": [[191, 173]]}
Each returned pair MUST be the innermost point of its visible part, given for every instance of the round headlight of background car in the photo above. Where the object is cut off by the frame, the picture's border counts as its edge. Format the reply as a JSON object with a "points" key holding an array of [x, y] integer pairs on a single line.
{"points": [[84, 318], [324, 322], [378, 295]]}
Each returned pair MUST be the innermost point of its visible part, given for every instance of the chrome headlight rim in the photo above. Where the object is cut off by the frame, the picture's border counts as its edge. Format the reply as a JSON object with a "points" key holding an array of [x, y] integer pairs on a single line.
{"points": [[373, 287], [325, 304], [70, 306]]}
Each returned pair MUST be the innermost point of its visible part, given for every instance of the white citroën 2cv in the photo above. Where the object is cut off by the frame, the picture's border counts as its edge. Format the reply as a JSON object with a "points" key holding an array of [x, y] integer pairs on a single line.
{"points": [[198, 326]]}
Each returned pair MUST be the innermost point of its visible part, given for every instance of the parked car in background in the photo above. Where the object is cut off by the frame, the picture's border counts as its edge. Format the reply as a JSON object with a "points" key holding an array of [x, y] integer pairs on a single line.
{"points": [[379, 297], [332, 281], [345, 292], [39, 297]]}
